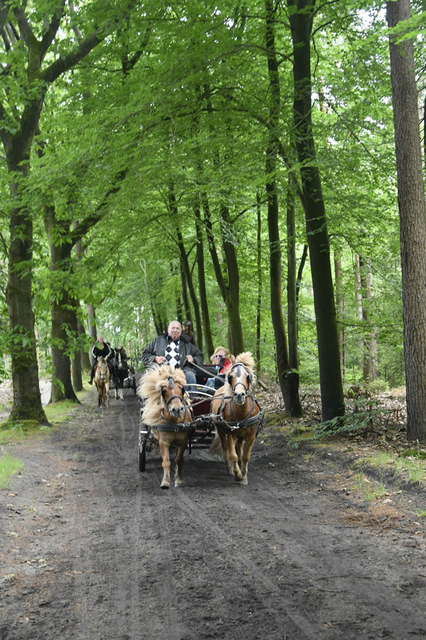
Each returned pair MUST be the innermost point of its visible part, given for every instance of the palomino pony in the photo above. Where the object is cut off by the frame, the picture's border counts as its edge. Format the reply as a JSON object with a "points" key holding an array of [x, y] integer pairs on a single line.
{"points": [[102, 378], [238, 417], [167, 413]]}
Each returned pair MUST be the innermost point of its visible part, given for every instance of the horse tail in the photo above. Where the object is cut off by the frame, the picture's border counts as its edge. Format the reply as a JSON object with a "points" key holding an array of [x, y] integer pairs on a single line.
{"points": [[216, 447]]}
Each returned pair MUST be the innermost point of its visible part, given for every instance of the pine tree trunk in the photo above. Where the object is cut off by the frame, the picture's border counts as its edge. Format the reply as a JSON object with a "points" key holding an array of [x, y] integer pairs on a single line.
{"points": [[412, 215], [301, 16]]}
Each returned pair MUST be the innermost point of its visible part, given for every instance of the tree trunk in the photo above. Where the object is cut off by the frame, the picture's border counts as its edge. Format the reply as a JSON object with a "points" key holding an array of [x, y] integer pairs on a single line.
{"points": [[301, 17], [233, 285], [293, 347], [91, 325], [185, 264], [288, 378], [83, 356], [369, 337], [340, 309], [185, 298], [412, 215], [62, 317], [235, 339], [202, 283], [259, 285], [26, 389]]}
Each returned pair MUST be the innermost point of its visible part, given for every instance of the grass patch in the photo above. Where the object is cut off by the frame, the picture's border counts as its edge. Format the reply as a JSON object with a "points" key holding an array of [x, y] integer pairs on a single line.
{"points": [[422, 513], [411, 465], [370, 489], [414, 453], [8, 466], [56, 413]]}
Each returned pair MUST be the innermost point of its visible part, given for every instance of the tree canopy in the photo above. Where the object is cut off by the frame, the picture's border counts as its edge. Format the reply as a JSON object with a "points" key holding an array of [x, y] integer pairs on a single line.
{"points": [[135, 173]]}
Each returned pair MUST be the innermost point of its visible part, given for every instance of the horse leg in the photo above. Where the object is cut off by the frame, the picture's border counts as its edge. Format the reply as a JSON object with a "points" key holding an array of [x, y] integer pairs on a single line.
{"points": [[99, 391], [224, 439], [179, 464], [245, 456], [120, 390], [231, 458], [164, 450]]}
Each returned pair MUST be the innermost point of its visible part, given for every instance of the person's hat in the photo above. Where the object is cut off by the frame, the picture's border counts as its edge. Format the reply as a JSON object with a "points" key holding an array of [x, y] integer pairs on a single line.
{"points": [[187, 323]]}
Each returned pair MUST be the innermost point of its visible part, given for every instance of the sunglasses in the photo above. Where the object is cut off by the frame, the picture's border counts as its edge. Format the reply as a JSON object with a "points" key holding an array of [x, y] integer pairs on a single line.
{"points": [[218, 355]]}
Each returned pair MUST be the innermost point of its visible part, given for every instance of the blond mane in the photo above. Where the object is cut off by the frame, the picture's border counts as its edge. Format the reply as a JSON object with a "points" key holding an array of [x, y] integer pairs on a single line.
{"points": [[149, 388], [247, 360]]}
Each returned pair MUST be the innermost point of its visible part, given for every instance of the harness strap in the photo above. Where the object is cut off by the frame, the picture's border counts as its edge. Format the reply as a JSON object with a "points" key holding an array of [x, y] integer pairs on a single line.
{"points": [[248, 421], [172, 426]]}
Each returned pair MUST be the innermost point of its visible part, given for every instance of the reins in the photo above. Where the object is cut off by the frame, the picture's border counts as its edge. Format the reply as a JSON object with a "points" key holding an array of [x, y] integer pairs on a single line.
{"points": [[247, 421], [207, 373]]}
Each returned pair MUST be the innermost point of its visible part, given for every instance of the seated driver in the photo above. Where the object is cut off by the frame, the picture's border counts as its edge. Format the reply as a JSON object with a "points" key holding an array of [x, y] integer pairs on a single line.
{"points": [[171, 348]]}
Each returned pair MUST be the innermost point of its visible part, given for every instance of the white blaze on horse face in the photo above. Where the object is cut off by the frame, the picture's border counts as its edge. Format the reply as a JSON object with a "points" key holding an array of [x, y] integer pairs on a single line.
{"points": [[241, 385], [174, 401]]}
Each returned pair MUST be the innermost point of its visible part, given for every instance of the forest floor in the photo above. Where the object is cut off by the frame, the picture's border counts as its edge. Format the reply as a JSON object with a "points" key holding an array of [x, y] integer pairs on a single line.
{"points": [[322, 543]]}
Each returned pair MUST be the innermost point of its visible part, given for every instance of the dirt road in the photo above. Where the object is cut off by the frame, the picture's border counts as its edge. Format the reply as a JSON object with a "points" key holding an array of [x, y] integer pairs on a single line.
{"points": [[92, 549]]}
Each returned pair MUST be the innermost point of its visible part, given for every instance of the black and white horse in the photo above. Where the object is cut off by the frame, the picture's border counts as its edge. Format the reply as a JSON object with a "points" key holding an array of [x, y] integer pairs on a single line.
{"points": [[122, 372]]}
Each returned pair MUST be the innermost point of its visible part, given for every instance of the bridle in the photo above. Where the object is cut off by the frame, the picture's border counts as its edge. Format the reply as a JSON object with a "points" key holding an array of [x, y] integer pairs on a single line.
{"points": [[120, 362], [249, 419], [247, 388], [167, 401], [102, 373]]}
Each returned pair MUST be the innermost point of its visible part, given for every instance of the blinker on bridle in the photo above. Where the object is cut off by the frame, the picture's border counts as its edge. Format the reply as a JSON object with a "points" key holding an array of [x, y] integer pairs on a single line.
{"points": [[235, 366]]}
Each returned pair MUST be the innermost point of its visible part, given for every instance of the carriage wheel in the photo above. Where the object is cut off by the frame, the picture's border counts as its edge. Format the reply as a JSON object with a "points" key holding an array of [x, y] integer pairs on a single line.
{"points": [[143, 441]]}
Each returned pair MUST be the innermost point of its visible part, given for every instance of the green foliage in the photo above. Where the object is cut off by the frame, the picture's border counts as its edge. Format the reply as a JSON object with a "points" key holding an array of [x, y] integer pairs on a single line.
{"points": [[360, 415], [181, 94]]}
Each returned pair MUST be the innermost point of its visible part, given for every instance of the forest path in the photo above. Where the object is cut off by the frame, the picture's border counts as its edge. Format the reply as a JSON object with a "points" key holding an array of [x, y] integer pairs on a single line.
{"points": [[93, 549]]}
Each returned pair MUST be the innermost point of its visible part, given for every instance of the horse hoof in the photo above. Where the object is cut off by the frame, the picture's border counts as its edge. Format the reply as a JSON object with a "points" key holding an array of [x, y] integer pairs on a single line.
{"points": [[243, 481], [165, 485], [178, 483]]}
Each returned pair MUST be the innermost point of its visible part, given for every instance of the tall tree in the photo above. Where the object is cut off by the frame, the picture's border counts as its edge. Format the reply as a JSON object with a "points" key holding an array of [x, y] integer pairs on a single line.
{"points": [[412, 215], [301, 20], [26, 74], [288, 378]]}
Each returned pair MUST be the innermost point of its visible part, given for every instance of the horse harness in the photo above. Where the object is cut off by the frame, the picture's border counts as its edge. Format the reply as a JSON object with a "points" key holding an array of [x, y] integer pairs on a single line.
{"points": [[168, 425], [250, 419]]}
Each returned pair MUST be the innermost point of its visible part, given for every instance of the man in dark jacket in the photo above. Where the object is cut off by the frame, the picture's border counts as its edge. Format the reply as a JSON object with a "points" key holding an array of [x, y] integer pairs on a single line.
{"points": [[171, 348]]}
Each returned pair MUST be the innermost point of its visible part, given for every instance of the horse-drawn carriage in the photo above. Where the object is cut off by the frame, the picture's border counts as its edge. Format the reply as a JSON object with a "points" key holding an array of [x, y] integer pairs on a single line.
{"points": [[180, 415]]}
